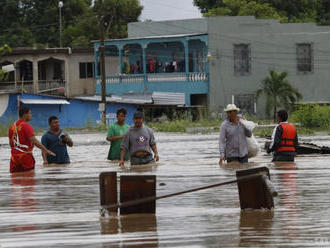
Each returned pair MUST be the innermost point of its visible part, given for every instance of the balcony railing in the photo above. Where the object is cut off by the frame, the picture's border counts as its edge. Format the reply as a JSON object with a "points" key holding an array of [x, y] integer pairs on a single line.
{"points": [[52, 87], [21, 86], [158, 77]]}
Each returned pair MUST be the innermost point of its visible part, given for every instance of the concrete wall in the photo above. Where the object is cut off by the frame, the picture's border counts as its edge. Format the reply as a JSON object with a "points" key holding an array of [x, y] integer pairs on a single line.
{"points": [[273, 46], [146, 29], [80, 86]]}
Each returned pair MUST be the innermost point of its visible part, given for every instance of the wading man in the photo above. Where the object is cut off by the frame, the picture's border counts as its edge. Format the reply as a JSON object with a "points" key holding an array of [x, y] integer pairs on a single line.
{"points": [[22, 140], [232, 141], [56, 140], [284, 139], [116, 134], [139, 141]]}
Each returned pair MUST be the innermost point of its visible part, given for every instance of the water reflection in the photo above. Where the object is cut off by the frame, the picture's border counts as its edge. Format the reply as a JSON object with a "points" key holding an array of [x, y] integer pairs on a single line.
{"points": [[134, 224], [58, 206], [23, 200], [288, 196], [253, 224]]}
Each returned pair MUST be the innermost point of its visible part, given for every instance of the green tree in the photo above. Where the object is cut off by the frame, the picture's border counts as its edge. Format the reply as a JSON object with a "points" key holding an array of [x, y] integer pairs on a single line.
{"points": [[244, 8], [206, 5], [3, 50], [279, 92], [289, 10], [115, 14]]}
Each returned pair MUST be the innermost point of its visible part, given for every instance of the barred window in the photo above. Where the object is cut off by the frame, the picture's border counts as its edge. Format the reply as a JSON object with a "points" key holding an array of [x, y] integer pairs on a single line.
{"points": [[242, 59], [304, 58]]}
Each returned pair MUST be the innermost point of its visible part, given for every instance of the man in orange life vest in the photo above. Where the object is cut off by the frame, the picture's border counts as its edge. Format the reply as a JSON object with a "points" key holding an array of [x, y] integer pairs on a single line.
{"points": [[22, 140], [284, 139]]}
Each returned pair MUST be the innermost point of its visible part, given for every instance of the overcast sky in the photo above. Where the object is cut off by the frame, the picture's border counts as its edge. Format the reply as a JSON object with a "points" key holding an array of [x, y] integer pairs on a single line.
{"points": [[158, 10]]}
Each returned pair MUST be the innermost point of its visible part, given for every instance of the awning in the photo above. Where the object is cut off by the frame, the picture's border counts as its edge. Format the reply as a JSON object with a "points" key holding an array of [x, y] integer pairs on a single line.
{"points": [[44, 101]]}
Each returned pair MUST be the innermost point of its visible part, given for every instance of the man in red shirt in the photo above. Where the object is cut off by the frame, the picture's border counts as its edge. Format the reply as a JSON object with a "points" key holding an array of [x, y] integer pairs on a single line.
{"points": [[22, 140]]}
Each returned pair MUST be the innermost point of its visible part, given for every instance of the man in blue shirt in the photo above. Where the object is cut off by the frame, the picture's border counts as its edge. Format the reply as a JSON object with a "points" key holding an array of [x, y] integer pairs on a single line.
{"points": [[56, 140]]}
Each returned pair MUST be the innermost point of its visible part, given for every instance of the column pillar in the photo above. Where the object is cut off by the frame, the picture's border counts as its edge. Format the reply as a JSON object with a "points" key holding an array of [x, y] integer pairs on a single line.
{"points": [[186, 56], [35, 76], [144, 62], [66, 78], [120, 54]]}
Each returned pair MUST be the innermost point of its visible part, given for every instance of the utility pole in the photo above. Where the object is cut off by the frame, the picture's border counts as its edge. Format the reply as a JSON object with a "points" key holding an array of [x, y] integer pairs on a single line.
{"points": [[60, 5], [102, 63]]}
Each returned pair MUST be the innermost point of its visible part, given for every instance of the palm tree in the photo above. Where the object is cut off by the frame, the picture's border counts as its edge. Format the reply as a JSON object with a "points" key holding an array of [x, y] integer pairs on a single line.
{"points": [[279, 92]]}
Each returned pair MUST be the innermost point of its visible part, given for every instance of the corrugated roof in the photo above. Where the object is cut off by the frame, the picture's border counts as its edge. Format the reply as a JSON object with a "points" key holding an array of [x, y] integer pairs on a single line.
{"points": [[169, 98], [156, 98], [43, 101], [129, 99]]}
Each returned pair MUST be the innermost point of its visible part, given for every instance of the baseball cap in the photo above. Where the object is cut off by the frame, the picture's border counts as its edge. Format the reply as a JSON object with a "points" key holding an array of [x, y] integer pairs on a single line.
{"points": [[138, 114]]}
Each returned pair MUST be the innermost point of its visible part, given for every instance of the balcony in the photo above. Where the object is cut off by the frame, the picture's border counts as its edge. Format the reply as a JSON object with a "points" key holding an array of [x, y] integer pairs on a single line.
{"points": [[53, 87], [175, 63]]}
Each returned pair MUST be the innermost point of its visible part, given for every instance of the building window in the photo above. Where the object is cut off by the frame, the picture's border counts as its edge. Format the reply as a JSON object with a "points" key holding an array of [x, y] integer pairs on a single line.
{"points": [[242, 59], [304, 58], [86, 70]]}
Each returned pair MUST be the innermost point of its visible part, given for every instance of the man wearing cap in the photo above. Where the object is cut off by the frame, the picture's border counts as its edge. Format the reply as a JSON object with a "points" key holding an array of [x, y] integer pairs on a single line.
{"points": [[232, 141], [139, 141]]}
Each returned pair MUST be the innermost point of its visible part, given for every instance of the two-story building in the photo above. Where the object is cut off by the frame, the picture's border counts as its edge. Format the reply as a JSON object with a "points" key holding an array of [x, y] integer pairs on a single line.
{"points": [[54, 71], [218, 60]]}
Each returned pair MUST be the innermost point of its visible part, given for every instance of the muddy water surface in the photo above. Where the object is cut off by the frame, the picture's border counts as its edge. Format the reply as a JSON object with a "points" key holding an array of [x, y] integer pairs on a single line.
{"points": [[58, 206]]}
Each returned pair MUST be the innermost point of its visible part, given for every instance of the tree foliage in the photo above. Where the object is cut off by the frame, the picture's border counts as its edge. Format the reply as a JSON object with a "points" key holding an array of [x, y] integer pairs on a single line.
{"points": [[285, 10], [3, 50], [244, 8], [25, 23], [279, 92]]}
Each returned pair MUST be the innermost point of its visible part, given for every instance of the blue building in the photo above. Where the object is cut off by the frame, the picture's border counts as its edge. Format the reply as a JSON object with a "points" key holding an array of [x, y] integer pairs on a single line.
{"points": [[76, 112], [163, 63]]}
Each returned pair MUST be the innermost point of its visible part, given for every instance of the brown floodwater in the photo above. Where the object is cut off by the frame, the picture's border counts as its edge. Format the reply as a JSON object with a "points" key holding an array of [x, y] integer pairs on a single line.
{"points": [[58, 206]]}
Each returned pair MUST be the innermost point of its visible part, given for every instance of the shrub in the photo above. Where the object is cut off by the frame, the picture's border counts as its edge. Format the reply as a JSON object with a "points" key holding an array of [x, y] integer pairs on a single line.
{"points": [[312, 116]]}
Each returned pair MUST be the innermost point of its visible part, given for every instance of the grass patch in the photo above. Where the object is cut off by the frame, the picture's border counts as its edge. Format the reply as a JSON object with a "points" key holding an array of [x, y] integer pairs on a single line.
{"points": [[182, 125], [4, 130]]}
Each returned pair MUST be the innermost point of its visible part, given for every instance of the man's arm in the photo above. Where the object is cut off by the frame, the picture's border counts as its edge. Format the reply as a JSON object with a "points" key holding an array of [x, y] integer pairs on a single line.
{"points": [[114, 138], [111, 136], [36, 142], [295, 142], [277, 139], [154, 149], [44, 157], [68, 141], [122, 157], [222, 144], [247, 132]]}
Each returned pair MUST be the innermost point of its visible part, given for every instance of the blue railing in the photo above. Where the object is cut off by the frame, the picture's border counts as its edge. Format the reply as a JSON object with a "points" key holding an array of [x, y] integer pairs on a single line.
{"points": [[157, 77]]}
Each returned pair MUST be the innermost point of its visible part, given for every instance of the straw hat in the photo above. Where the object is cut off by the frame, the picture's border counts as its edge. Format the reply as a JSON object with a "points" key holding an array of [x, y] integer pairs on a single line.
{"points": [[231, 107]]}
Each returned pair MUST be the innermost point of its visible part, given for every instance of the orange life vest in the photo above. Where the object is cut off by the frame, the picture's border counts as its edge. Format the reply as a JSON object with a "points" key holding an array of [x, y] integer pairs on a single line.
{"points": [[288, 135]]}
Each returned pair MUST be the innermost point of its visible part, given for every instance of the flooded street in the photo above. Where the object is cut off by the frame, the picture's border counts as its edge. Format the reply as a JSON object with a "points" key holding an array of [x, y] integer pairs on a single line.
{"points": [[58, 206]]}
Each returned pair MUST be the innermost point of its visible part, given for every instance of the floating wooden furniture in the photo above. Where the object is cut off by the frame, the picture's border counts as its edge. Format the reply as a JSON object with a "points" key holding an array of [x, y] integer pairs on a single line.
{"points": [[108, 190], [138, 193], [135, 188], [257, 192], [132, 189]]}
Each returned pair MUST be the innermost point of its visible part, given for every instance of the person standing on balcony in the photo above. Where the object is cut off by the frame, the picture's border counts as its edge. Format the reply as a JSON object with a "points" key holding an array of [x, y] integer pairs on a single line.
{"points": [[232, 142], [140, 142], [57, 141], [116, 134], [22, 140]]}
